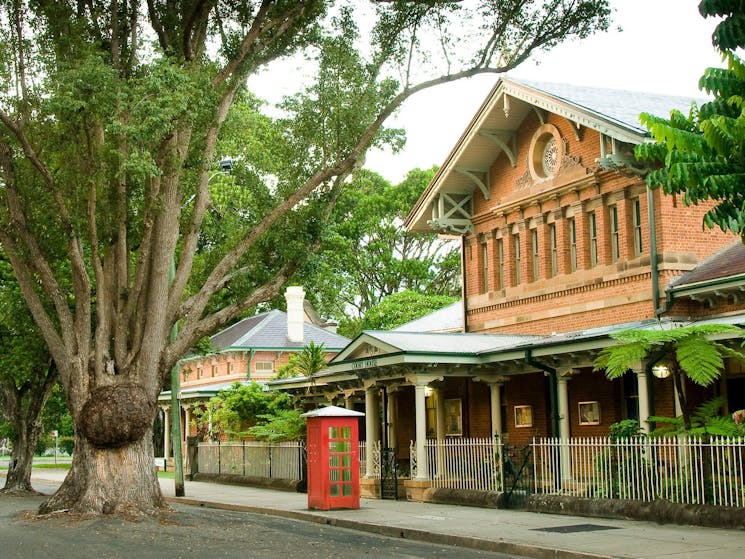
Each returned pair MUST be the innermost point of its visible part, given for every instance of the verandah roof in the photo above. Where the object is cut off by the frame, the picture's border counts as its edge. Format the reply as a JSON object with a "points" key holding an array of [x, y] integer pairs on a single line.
{"points": [[404, 353]]}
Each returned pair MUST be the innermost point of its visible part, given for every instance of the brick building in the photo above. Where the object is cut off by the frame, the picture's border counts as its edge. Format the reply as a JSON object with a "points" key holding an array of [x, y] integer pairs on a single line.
{"points": [[562, 244], [252, 349]]}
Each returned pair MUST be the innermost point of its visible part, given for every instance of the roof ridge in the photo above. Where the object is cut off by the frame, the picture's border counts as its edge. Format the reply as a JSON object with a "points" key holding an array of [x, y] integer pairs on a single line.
{"points": [[321, 329]]}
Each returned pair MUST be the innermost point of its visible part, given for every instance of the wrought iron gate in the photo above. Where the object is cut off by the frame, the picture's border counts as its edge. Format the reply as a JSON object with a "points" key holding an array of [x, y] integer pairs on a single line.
{"points": [[388, 473], [517, 467]]}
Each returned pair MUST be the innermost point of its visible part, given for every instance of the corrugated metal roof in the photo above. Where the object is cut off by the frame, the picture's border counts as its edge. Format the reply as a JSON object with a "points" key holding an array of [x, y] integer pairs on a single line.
{"points": [[602, 331], [621, 106], [208, 389], [269, 330], [433, 342], [444, 319]]}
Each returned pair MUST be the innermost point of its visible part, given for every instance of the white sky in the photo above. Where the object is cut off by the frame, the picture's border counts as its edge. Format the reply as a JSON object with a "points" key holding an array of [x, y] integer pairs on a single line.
{"points": [[663, 47]]}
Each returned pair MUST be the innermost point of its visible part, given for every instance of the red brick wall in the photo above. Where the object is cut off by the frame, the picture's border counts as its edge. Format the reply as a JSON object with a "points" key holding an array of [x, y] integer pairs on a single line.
{"points": [[479, 410], [530, 390], [405, 420], [589, 386], [239, 361], [610, 292]]}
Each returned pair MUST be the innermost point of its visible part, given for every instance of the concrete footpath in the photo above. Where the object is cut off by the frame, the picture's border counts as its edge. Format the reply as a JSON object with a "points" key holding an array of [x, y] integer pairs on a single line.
{"points": [[514, 532]]}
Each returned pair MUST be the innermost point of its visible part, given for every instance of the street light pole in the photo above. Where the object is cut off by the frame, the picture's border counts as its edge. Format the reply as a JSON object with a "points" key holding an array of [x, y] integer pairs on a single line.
{"points": [[178, 459], [226, 165]]}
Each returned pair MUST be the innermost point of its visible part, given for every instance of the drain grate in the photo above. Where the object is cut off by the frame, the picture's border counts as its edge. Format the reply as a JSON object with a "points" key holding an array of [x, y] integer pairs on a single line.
{"points": [[571, 529]]}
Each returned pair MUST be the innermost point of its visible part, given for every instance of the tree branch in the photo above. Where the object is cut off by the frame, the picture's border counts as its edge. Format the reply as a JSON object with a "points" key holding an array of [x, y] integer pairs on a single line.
{"points": [[195, 19], [163, 36], [24, 276], [251, 36], [201, 202]]}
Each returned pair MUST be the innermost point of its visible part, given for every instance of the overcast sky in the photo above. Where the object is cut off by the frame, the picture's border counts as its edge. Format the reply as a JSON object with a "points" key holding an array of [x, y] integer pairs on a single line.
{"points": [[663, 47]]}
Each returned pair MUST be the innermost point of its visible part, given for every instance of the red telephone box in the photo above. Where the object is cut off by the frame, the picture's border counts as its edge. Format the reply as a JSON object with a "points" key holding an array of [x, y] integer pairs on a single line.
{"points": [[333, 458]]}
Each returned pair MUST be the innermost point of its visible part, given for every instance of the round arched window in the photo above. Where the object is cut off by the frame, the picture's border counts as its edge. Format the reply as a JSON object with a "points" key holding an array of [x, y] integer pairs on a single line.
{"points": [[550, 156], [546, 152]]}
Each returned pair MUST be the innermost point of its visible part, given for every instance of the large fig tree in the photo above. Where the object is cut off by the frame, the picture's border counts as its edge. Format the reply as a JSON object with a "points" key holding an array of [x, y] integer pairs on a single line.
{"points": [[110, 117]]}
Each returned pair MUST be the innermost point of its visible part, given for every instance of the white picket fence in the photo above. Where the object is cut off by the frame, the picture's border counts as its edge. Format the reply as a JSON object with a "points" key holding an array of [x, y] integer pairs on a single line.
{"points": [[679, 469], [282, 460], [457, 463], [465, 463]]}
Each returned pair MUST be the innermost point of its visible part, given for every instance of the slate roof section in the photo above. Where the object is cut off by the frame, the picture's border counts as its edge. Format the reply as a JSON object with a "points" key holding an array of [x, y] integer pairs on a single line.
{"points": [[446, 319], [269, 331], [727, 263], [621, 106]]}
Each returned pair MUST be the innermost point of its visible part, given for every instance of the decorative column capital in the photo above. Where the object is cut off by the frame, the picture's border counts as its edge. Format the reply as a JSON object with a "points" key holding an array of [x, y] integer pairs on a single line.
{"points": [[370, 384], [639, 367], [491, 379], [565, 373], [421, 381]]}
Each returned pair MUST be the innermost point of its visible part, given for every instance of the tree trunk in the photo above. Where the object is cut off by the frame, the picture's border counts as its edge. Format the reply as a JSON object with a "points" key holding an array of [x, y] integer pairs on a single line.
{"points": [[23, 407], [19, 469], [109, 481], [678, 380]]}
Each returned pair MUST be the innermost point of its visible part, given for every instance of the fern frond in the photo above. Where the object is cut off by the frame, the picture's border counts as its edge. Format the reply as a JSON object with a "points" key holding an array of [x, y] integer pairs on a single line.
{"points": [[666, 426], [711, 408], [616, 360], [731, 353], [699, 359]]}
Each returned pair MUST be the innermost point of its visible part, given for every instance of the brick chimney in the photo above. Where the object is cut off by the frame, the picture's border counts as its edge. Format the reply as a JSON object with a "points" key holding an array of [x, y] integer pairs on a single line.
{"points": [[295, 295]]}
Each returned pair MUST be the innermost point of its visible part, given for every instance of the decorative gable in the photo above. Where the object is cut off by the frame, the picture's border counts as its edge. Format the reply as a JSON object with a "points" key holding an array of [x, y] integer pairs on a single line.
{"points": [[559, 118]]}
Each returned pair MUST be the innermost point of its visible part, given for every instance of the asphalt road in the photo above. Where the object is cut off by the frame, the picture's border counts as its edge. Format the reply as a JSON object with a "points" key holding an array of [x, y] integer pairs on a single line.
{"points": [[193, 532]]}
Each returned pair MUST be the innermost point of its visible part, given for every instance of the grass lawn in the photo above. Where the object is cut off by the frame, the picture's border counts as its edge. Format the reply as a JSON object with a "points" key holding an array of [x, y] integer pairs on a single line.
{"points": [[60, 466], [66, 466]]}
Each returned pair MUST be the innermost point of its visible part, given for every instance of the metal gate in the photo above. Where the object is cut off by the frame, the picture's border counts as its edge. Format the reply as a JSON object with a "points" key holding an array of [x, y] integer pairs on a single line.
{"points": [[517, 467], [388, 473]]}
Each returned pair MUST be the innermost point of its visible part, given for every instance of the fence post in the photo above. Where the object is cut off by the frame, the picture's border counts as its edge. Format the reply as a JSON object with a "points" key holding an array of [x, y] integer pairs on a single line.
{"points": [[270, 461], [192, 451], [219, 457], [302, 456], [500, 462], [244, 458]]}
